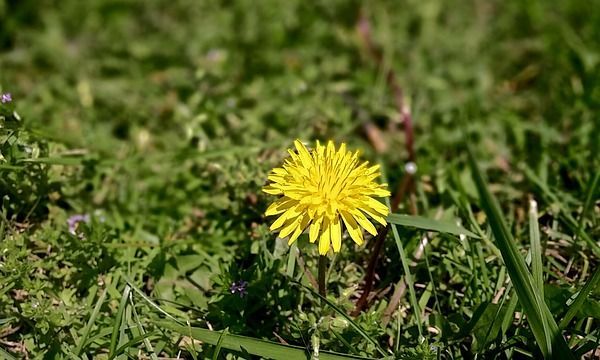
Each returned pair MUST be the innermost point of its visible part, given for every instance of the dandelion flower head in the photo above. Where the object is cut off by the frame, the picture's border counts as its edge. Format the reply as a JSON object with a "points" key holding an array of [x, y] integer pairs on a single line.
{"points": [[323, 188]]}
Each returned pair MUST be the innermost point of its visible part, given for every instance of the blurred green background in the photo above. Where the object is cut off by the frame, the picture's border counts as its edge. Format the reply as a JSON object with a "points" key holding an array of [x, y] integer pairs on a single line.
{"points": [[160, 119]]}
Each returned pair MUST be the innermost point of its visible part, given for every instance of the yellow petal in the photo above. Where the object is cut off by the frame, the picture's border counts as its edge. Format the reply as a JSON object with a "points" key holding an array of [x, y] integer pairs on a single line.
{"points": [[280, 206], [295, 235], [325, 239], [374, 216], [304, 154], [380, 208], [330, 148], [272, 190], [279, 171], [289, 228], [362, 220], [342, 150], [279, 222], [353, 229], [320, 149], [373, 169], [276, 178], [336, 234], [314, 231], [378, 192], [289, 214], [299, 230]]}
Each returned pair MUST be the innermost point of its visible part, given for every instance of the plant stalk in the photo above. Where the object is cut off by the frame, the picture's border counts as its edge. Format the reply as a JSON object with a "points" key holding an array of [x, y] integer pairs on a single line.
{"points": [[321, 276]]}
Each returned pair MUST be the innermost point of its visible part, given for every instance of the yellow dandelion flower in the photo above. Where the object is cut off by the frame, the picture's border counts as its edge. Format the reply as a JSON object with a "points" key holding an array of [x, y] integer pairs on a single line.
{"points": [[321, 189]]}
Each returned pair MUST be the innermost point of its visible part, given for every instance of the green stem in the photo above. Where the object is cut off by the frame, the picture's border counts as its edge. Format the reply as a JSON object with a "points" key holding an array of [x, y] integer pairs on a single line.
{"points": [[322, 272]]}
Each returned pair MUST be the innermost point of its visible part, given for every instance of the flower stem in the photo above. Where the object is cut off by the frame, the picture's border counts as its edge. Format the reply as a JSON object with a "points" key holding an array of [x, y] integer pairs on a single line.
{"points": [[322, 271]]}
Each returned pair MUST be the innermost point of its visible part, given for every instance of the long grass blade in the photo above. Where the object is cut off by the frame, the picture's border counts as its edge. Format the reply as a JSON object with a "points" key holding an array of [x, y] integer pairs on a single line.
{"points": [[544, 327], [263, 348], [580, 298], [149, 301], [90, 323], [423, 223], [136, 340], [219, 344], [564, 214], [143, 332], [118, 320], [66, 161], [191, 346], [537, 268], [409, 280], [589, 197]]}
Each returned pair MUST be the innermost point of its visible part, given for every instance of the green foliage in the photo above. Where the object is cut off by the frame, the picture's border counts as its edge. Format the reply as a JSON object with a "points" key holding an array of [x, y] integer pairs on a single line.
{"points": [[24, 183], [542, 322], [160, 121]]}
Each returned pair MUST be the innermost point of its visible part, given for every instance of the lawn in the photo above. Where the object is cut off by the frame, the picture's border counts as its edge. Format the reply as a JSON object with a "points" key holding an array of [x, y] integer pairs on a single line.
{"points": [[137, 138]]}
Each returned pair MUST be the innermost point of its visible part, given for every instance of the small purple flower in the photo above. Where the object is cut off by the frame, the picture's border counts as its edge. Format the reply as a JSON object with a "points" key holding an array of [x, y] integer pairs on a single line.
{"points": [[74, 220], [5, 98], [239, 288]]}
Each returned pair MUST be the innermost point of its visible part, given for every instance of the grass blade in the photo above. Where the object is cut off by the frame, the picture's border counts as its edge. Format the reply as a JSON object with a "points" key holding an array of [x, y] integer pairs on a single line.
{"points": [[263, 348], [90, 323], [219, 344], [537, 268], [592, 189], [66, 161], [191, 346], [564, 214], [420, 222], [118, 320], [544, 327], [142, 331], [149, 301], [408, 279], [580, 298], [6, 355], [291, 263], [136, 340], [509, 316]]}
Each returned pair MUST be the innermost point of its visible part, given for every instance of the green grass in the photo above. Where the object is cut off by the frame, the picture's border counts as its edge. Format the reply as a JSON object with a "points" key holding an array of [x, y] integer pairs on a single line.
{"points": [[542, 323], [160, 121]]}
